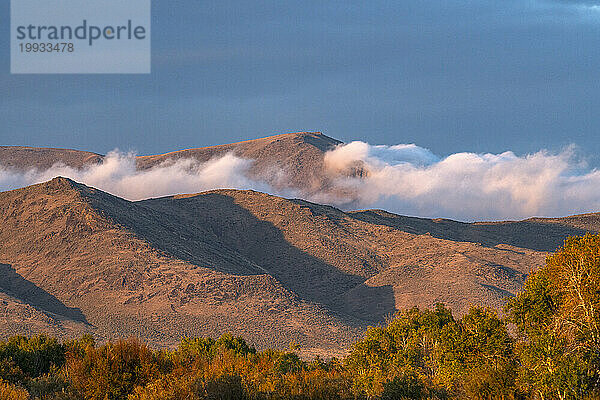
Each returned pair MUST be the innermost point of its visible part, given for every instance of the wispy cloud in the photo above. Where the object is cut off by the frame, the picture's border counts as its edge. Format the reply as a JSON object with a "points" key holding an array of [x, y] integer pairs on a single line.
{"points": [[118, 175]]}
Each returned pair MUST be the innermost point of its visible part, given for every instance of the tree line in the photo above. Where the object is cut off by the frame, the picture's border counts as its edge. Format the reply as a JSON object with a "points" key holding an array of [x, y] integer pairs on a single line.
{"points": [[546, 345]]}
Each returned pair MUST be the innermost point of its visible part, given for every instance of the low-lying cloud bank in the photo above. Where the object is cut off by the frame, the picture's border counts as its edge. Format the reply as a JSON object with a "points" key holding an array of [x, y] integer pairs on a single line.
{"points": [[118, 175], [468, 186], [405, 179]]}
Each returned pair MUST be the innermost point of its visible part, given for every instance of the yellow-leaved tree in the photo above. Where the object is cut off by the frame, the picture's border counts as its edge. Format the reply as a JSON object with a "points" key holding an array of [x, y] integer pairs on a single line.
{"points": [[558, 319]]}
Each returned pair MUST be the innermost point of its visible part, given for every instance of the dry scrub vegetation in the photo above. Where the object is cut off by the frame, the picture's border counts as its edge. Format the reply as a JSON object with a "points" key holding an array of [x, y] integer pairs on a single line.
{"points": [[420, 354]]}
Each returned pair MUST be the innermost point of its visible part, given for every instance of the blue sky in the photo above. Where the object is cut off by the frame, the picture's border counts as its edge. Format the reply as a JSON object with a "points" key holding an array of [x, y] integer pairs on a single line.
{"points": [[481, 76]]}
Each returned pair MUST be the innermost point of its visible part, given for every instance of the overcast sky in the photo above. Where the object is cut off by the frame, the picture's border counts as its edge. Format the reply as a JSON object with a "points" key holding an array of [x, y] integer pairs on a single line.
{"points": [[481, 76]]}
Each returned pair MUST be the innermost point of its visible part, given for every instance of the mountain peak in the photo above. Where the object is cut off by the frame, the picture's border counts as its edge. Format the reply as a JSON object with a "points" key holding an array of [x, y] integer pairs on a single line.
{"points": [[59, 187], [61, 181], [63, 185]]}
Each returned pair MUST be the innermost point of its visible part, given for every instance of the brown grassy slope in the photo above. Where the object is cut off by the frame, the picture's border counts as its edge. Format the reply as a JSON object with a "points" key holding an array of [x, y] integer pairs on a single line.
{"points": [[75, 258], [23, 158], [299, 156], [366, 269], [292, 160], [86, 264]]}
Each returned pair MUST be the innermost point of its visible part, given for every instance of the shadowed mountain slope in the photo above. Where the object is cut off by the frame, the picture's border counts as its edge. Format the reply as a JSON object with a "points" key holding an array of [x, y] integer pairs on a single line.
{"points": [[92, 252], [541, 234], [352, 266], [74, 259]]}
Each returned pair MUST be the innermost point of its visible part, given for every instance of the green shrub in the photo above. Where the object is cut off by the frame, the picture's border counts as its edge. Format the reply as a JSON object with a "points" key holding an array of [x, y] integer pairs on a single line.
{"points": [[236, 344], [35, 356], [10, 371], [288, 363], [406, 347], [406, 386], [224, 387], [46, 387]]}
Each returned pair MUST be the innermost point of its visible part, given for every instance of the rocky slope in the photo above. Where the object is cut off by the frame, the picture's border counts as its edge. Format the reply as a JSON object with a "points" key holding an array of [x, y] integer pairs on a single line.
{"points": [[75, 259], [293, 160]]}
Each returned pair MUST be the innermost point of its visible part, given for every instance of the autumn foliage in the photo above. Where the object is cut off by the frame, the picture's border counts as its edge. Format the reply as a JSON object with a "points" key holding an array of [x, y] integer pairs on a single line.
{"points": [[546, 347]]}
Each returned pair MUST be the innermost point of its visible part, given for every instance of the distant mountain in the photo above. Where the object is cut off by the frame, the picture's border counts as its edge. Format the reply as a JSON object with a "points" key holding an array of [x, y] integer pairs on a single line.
{"points": [[41, 158], [75, 259], [300, 155]]}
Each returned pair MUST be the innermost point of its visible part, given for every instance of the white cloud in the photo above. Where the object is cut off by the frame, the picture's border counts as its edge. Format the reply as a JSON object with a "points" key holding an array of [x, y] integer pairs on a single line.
{"points": [[405, 179], [467, 186], [117, 174]]}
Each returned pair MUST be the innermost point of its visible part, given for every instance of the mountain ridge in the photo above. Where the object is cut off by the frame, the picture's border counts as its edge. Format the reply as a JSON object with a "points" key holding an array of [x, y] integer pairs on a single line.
{"points": [[247, 262], [77, 259], [289, 161]]}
